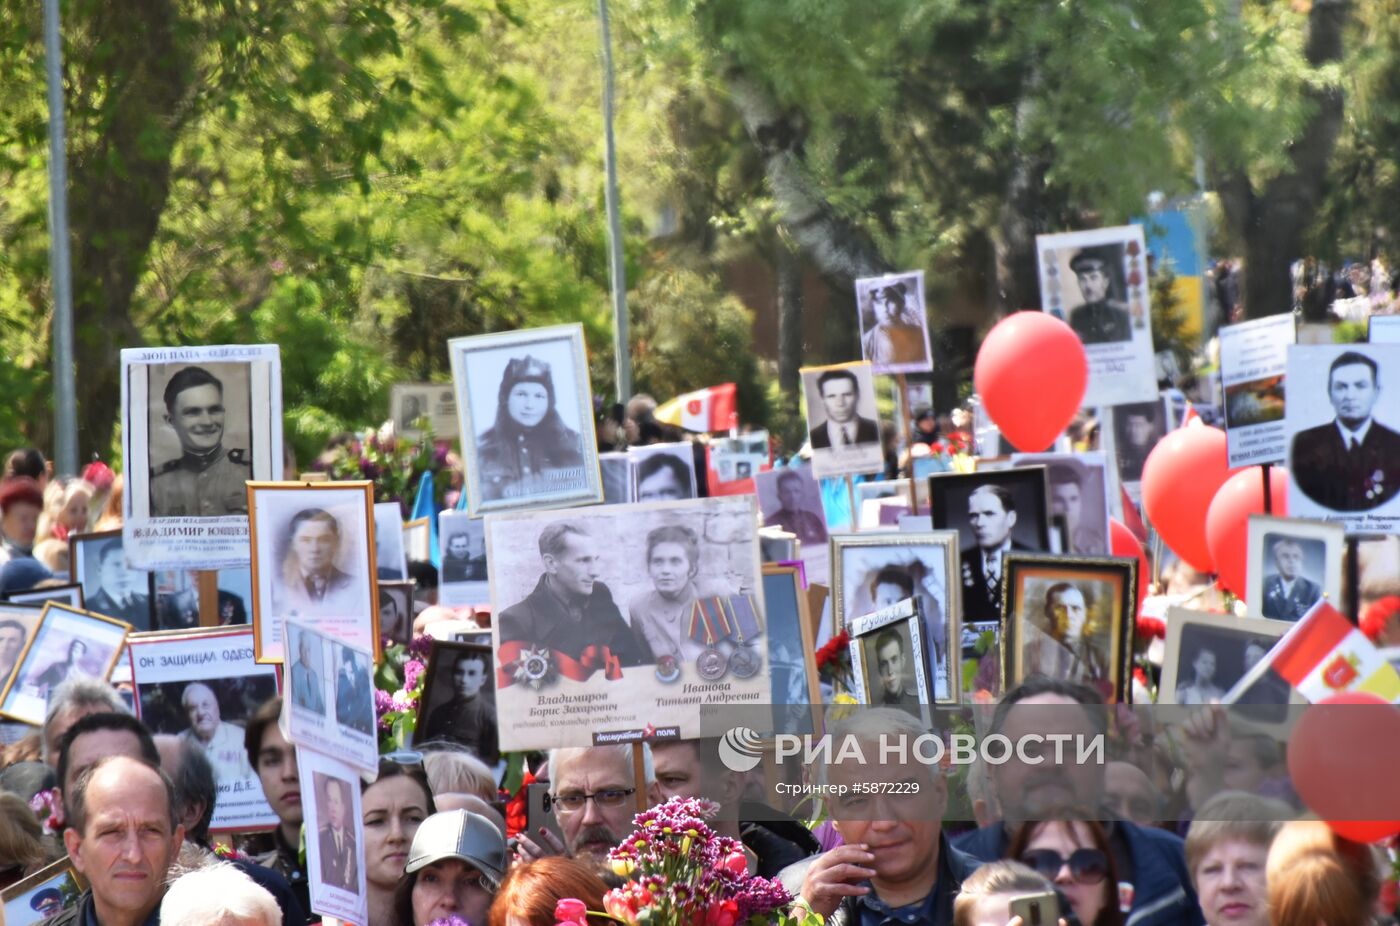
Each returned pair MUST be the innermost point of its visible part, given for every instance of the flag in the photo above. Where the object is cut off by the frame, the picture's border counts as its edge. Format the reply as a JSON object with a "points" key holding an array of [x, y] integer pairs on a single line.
{"points": [[712, 409], [425, 506], [1325, 654]]}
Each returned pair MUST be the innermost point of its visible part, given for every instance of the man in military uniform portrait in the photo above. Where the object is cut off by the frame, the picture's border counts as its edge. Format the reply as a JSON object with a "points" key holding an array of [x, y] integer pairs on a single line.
{"points": [[468, 717], [207, 479], [1288, 594], [794, 517], [1352, 463], [311, 584], [121, 591], [991, 515], [464, 559], [892, 665], [1101, 318]]}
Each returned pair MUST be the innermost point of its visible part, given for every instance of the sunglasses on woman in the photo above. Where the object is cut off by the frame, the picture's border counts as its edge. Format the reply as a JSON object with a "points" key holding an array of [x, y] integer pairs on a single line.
{"points": [[1087, 866]]}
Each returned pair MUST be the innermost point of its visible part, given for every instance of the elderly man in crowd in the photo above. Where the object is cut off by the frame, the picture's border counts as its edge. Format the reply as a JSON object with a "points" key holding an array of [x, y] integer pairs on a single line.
{"points": [[896, 866], [122, 836], [221, 741], [71, 702], [219, 893]]}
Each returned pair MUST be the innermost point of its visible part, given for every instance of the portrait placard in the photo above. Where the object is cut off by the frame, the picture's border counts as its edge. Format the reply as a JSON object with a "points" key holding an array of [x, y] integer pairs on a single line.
{"points": [[396, 612], [791, 499], [791, 645], [231, 598], [737, 459], [1253, 361], [662, 472], [459, 702], [526, 412], [1078, 484], [617, 478], [1207, 655], [175, 593], [390, 559], [842, 420], [313, 561], [17, 625], [1097, 282], [48, 892], [335, 836], [1292, 565], [1343, 446], [203, 686], [893, 324], [888, 661], [67, 644], [417, 540], [70, 594], [110, 585], [331, 709], [197, 424], [671, 600], [412, 405], [1070, 618], [1128, 433], [462, 575], [872, 572]]}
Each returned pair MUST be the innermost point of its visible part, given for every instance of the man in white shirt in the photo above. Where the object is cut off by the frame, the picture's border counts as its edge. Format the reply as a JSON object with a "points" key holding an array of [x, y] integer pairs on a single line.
{"points": [[840, 395], [221, 741]]}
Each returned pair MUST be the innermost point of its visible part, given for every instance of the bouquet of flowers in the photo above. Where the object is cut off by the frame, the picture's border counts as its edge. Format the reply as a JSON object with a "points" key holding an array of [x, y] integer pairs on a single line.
{"points": [[398, 687], [684, 874], [395, 465]]}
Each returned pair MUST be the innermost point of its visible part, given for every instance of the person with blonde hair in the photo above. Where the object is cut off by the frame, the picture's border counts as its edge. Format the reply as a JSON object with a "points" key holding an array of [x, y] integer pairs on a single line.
{"points": [[65, 510], [23, 846], [1226, 851], [458, 771], [986, 895], [1318, 877]]}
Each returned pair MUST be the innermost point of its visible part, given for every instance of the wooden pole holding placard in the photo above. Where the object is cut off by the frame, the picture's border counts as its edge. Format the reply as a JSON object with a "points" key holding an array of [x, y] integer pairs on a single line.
{"points": [[207, 588], [639, 777], [1268, 487], [1353, 579], [851, 496], [906, 433]]}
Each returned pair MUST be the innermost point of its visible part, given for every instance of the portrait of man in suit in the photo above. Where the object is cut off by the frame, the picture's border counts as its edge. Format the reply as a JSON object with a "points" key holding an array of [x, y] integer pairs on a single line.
{"points": [[311, 583], [1288, 594], [1351, 463], [991, 515], [841, 425], [120, 593], [354, 707], [306, 677], [339, 854]]}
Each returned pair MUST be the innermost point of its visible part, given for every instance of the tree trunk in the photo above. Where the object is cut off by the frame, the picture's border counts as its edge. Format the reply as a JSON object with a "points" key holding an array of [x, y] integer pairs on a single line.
{"points": [[789, 267], [1013, 240]]}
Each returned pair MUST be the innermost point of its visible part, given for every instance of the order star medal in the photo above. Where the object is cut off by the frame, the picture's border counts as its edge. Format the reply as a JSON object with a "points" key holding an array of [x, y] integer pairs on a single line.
{"points": [[534, 668]]}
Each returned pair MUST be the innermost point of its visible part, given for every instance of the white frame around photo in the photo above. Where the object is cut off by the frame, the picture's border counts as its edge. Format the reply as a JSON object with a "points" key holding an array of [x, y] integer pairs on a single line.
{"points": [[329, 899], [69, 593], [328, 733], [1261, 526], [913, 283], [860, 456], [455, 593], [1178, 619], [904, 613]]}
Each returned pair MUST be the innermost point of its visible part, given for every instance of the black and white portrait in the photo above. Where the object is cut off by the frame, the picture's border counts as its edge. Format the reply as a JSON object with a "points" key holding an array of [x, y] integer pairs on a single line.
{"points": [[354, 703], [459, 700], [462, 574], [842, 422], [790, 498], [331, 709], [893, 326], [1136, 430], [335, 843], [396, 611], [313, 561], [1207, 655], [110, 586], [1292, 566], [994, 513], [889, 660], [175, 593], [1344, 453], [198, 424], [628, 601], [233, 596], [527, 425], [306, 656], [662, 472], [1078, 486], [617, 478], [390, 559], [17, 625], [870, 573], [336, 835], [416, 408], [1097, 282]]}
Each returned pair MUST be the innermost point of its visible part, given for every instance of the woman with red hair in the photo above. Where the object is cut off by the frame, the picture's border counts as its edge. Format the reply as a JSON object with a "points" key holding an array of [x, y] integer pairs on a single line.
{"points": [[531, 890]]}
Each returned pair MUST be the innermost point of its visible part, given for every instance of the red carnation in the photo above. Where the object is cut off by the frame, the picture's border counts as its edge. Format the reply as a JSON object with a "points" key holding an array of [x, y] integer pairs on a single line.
{"points": [[1378, 614], [1150, 627]]}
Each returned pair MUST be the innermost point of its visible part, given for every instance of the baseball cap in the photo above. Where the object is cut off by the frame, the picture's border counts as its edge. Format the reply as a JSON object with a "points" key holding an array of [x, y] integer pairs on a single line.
{"points": [[463, 835]]}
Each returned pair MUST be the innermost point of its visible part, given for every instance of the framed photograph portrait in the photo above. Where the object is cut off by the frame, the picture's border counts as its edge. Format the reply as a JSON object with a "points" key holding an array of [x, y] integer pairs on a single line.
{"points": [[313, 561], [396, 611], [842, 421], [110, 585], [1133, 430], [414, 405], [994, 514], [390, 559], [893, 325], [670, 594], [1253, 361], [459, 699], [335, 836], [526, 412], [17, 626], [46, 893], [175, 593], [332, 705], [872, 572], [1208, 654], [462, 573], [738, 459], [791, 499], [617, 478], [70, 593], [1097, 281], [197, 424], [1070, 618], [417, 540], [203, 686], [1078, 484], [888, 659], [662, 472], [67, 644], [1292, 565], [791, 645], [1343, 423]]}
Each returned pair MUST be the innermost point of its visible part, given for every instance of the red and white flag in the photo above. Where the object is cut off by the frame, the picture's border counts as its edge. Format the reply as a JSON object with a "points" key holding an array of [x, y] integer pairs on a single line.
{"points": [[712, 409], [1325, 654]]}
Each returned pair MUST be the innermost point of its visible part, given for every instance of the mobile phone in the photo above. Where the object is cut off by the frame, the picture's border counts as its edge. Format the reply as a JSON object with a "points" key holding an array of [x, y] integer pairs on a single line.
{"points": [[535, 814], [1037, 909]]}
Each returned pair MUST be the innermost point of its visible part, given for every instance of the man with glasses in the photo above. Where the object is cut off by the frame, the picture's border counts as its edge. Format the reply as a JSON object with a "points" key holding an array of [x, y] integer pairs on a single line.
{"points": [[593, 795], [1151, 860]]}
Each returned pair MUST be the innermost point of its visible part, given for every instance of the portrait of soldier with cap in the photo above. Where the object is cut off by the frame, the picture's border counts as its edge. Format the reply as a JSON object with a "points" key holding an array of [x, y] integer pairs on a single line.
{"points": [[529, 449], [1102, 318], [207, 478]]}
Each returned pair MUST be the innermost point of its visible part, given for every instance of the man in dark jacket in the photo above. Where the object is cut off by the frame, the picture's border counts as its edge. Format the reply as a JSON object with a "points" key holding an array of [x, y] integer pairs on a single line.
{"points": [[1153, 861], [900, 870]]}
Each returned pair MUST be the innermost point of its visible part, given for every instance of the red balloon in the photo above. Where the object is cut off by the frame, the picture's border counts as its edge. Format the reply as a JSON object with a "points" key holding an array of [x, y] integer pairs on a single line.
{"points": [[1123, 543], [1031, 373], [1179, 480], [1227, 520], [1342, 758]]}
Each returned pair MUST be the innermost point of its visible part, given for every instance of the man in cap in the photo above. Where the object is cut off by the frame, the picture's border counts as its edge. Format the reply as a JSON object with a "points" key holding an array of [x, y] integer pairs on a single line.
{"points": [[206, 480], [1100, 318]]}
